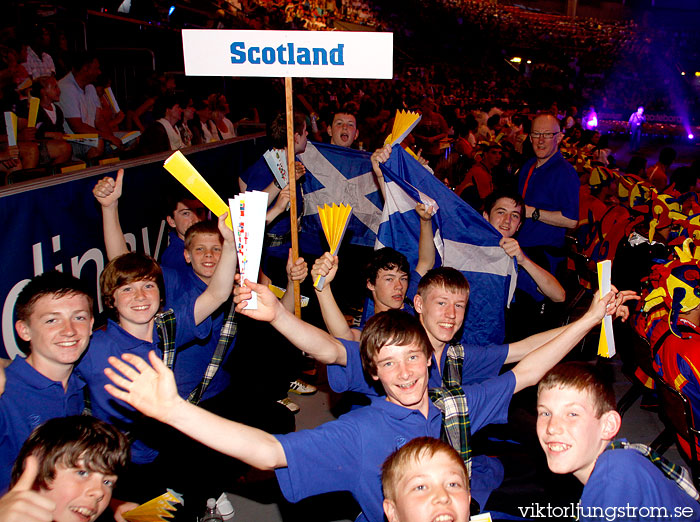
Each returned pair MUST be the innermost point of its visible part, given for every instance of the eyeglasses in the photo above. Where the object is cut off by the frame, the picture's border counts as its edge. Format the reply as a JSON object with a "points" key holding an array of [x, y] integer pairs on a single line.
{"points": [[545, 135]]}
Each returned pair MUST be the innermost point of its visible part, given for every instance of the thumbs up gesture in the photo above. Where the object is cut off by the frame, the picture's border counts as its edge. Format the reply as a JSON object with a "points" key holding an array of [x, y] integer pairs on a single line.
{"points": [[21, 503], [108, 190]]}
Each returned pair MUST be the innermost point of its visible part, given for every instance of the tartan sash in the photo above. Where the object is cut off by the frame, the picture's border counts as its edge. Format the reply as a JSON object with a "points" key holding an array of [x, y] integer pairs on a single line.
{"points": [[452, 375], [672, 471], [456, 429], [165, 325], [228, 334]]}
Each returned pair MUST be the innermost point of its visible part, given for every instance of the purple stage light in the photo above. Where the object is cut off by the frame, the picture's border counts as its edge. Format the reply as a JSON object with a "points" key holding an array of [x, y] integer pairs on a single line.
{"points": [[691, 136]]}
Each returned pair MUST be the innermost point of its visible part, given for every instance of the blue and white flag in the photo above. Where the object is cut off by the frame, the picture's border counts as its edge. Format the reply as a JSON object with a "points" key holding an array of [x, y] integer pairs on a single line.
{"points": [[463, 239], [341, 175]]}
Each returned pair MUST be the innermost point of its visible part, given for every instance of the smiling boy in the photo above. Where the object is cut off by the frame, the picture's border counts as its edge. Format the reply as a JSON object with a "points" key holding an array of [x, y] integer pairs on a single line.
{"points": [[576, 425], [54, 318], [132, 289], [66, 472], [505, 211], [425, 480]]}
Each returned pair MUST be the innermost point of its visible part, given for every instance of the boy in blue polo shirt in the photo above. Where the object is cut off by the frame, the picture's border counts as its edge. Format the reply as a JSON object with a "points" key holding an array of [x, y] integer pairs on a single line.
{"points": [[388, 278], [132, 287], [183, 212], [66, 472], [54, 318], [345, 454], [577, 423], [200, 253]]}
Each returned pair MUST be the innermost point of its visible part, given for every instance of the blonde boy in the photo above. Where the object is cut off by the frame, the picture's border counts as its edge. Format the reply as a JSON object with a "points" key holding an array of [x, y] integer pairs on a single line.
{"points": [[425, 480]]}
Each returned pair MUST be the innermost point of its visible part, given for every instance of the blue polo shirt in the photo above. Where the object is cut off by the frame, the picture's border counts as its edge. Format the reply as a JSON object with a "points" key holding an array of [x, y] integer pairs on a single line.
{"points": [[115, 341], [193, 358], [347, 454], [552, 186], [29, 400], [174, 255], [624, 479], [480, 363]]}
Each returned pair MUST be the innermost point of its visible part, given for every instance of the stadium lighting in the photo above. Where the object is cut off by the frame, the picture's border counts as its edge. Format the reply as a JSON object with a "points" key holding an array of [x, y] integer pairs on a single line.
{"points": [[516, 59], [529, 62], [682, 73]]}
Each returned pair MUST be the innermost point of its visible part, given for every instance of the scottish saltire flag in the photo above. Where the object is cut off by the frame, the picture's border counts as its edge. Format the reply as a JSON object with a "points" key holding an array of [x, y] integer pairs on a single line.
{"points": [[463, 239], [341, 175]]}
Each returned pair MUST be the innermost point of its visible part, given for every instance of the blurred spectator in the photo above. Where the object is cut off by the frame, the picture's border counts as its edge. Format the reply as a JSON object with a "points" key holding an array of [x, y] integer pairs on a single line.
{"points": [[163, 134], [39, 62], [79, 102]]}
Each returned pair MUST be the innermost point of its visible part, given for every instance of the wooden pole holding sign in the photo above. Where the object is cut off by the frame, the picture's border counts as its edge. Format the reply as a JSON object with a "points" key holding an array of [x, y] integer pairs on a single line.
{"points": [[291, 170], [288, 54]]}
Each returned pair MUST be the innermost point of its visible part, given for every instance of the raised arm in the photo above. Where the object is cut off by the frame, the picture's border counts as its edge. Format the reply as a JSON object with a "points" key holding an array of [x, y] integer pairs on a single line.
{"points": [[327, 266], [519, 349], [426, 247], [280, 206], [151, 389], [537, 363], [318, 344], [221, 284], [107, 192], [546, 283], [380, 155]]}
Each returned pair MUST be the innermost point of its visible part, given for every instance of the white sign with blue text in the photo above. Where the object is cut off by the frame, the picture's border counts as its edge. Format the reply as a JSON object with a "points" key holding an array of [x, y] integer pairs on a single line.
{"points": [[309, 54]]}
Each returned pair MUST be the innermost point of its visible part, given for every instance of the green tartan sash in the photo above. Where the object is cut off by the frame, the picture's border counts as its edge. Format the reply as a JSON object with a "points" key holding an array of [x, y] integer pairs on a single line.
{"points": [[228, 334], [452, 376], [456, 429], [674, 472], [165, 325]]}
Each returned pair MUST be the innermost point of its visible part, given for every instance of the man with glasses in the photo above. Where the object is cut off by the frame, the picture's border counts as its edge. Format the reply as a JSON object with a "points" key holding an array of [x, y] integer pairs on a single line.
{"points": [[550, 187]]}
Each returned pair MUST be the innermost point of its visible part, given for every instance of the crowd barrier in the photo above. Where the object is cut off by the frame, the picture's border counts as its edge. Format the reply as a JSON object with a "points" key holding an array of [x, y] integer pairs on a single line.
{"points": [[56, 223]]}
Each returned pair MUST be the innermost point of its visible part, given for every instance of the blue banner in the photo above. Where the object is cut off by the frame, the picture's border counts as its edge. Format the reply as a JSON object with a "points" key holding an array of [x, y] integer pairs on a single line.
{"points": [[58, 225]]}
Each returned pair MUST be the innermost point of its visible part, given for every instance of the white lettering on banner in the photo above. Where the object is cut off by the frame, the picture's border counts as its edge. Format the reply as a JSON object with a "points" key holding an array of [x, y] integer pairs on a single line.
{"points": [[311, 54], [77, 264], [8, 327]]}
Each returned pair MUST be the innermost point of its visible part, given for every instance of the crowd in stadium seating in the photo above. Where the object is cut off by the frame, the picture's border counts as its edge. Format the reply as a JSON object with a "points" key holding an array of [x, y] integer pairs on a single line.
{"points": [[488, 128], [574, 61]]}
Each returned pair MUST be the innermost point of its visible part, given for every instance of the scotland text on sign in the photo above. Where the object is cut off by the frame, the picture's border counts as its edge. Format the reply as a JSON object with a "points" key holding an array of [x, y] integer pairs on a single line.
{"points": [[320, 54]]}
